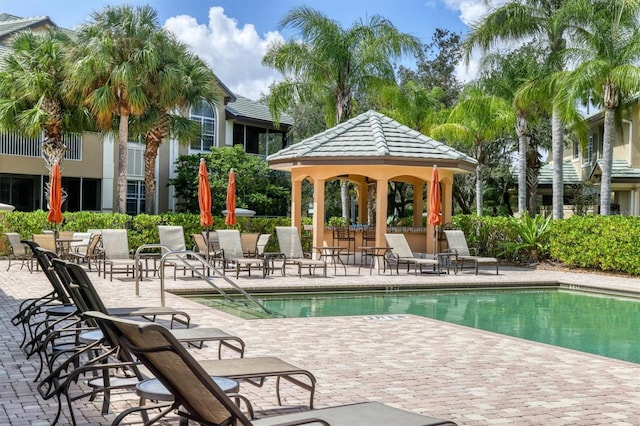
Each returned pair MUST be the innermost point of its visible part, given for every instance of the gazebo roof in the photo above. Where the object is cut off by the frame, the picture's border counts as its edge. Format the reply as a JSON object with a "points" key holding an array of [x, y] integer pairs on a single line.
{"points": [[371, 138]]}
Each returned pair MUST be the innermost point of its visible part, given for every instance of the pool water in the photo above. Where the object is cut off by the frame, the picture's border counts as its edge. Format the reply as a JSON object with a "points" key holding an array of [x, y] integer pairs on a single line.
{"points": [[598, 324]]}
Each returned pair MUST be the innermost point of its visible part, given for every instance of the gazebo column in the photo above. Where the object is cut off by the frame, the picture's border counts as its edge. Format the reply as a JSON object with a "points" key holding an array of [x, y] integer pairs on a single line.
{"points": [[296, 203], [417, 203], [381, 211], [318, 213]]}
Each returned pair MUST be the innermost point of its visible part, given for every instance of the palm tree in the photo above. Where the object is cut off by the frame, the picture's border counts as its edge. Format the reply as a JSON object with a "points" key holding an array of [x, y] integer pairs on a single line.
{"points": [[182, 80], [32, 98], [334, 62], [477, 119], [547, 20], [118, 55], [607, 51], [411, 104], [503, 75]]}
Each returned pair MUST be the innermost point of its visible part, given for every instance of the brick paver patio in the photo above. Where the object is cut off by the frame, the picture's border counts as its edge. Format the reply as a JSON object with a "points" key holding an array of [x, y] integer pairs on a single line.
{"points": [[472, 377]]}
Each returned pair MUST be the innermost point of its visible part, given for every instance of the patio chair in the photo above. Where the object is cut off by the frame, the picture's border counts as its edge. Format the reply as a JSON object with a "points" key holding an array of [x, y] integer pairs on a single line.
{"points": [[401, 254], [86, 253], [19, 251], [47, 241], [233, 254], [458, 245], [291, 247], [115, 246], [249, 241], [198, 397], [172, 240], [263, 240], [196, 335]]}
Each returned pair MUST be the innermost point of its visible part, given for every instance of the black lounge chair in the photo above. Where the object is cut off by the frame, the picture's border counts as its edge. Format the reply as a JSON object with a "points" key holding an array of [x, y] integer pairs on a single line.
{"points": [[198, 397]]}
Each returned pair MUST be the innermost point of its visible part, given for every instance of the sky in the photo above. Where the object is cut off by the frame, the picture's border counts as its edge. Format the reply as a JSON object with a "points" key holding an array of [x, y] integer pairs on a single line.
{"points": [[233, 35]]}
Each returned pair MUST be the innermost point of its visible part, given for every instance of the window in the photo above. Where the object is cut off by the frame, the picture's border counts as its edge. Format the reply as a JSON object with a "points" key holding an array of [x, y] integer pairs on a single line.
{"points": [[135, 159], [591, 145], [258, 140], [576, 150], [204, 115], [135, 197]]}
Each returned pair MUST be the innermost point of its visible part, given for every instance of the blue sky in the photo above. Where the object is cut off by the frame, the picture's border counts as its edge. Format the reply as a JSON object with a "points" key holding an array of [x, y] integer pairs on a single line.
{"points": [[232, 35]]}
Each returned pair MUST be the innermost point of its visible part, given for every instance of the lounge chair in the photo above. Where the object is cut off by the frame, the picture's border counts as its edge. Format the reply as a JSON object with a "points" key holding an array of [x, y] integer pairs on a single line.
{"points": [[458, 245], [92, 251], [233, 253], [172, 240], [249, 241], [291, 247], [193, 335], [401, 254], [19, 251], [198, 397], [115, 246]]}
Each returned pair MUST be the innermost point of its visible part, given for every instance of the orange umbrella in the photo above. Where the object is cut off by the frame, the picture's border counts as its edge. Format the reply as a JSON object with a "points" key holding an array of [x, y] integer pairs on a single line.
{"points": [[55, 195], [231, 199], [204, 195], [434, 218]]}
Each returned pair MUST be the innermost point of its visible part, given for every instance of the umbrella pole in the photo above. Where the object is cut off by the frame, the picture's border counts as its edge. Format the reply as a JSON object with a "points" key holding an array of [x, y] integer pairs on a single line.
{"points": [[208, 252]]}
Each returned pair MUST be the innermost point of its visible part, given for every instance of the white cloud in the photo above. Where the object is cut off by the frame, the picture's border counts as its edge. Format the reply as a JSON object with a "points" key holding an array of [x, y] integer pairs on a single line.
{"points": [[471, 12], [235, 54]]}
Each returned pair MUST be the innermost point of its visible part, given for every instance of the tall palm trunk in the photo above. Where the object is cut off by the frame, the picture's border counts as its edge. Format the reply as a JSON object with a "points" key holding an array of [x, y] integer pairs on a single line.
{"points": [[521, 130], [557, 143], [479, 198], [123, 146], [344, 195], [610, 103], [342, 111], [150, 155], [153, 139]]}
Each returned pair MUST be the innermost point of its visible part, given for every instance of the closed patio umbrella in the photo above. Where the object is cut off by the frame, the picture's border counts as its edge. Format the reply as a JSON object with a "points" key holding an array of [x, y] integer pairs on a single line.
{"points": [[204, 199], [55, 196], [230, 219], [434, 218]]}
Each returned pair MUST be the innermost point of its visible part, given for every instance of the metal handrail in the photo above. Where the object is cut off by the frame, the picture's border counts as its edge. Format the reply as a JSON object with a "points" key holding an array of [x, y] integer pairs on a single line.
{"points": [[180, 255]]}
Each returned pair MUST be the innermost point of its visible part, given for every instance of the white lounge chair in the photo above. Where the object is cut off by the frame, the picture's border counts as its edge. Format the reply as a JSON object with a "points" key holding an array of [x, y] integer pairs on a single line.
{"points": [[401, 254], [172, 240], [232, 252], [115, 247], [291, 247], [458, 245]]}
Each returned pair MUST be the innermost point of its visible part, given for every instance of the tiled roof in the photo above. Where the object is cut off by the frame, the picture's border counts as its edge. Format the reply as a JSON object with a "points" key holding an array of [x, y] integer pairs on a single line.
{"points": [[246, 108], [374, 136], [10, 24], [569, 174], [620, 170]]}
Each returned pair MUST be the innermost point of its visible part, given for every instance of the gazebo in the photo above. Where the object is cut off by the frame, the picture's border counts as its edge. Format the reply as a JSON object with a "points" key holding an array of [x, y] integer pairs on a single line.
{"points": [[370, 150]]}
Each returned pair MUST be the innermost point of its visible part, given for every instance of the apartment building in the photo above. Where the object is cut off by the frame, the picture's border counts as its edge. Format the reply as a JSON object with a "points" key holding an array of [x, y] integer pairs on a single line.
{"points": [[582, 167], [89, 174]]}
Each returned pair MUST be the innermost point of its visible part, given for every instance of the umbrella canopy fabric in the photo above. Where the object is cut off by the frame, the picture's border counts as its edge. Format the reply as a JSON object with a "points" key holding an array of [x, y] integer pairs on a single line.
{"points": [[434, 218], [204, 195], [230, 219], [55, 195]]}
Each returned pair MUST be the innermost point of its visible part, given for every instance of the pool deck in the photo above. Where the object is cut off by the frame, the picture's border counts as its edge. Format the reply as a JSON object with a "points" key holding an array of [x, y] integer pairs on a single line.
{"points": [[469, 376]]}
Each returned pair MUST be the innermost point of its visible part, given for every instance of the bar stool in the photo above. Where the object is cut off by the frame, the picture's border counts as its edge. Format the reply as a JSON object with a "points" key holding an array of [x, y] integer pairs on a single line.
{"points": [[343, 233]]}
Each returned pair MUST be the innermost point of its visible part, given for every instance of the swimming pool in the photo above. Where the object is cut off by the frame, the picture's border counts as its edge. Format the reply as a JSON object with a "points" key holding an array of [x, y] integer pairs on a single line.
{"points": [[594, 323]]}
